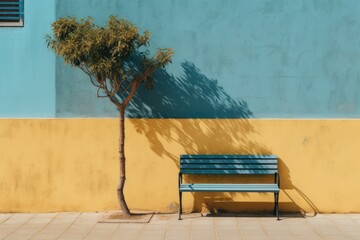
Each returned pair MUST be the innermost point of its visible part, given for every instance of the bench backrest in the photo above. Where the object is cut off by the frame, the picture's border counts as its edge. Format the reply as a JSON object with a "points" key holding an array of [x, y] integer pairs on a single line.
{"points": [[228, 164]]}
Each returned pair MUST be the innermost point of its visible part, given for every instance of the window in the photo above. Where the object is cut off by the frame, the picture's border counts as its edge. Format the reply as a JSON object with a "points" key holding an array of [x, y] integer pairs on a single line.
{"points": [[11, 13]]}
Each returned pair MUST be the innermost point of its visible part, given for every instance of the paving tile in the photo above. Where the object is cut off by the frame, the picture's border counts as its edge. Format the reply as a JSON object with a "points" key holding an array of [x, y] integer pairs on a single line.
{"points": [[226, 221], [22, 215], [131, 226], [178, 228], [60, 223], [255, 237], [319, 221], [278, 232], [12, 224], [275, 228], [294, 220], [230, 237], [354, 216], [45, 215], [281, 237], [248, 222], [308, 237], [224, 235], [171, 234], [201, 237], [326, 230], [51, 232], [84, 226], [180, 237], [123, 235], [175, 232], [88, 218], [203, 221], [154, 227], [66, 217], [27, 231], [152, 234], [348, 229], [226, 227], [128, 231], [179, 223], [353, 235], [203, 233], [342, 221], [303, 233], [151, 237], [336, 237], [4, 217], [77, 231], [300, 227], [102, 231], [250, 235]]}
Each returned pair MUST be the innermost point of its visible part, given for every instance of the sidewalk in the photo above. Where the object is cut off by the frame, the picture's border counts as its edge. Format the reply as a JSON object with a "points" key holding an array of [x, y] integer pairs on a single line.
{"points": [[69, 226]]}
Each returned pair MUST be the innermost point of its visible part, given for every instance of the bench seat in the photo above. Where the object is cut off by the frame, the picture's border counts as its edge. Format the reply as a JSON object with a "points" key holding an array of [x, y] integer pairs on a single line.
{"points": [[231, 165], [216, 187]]}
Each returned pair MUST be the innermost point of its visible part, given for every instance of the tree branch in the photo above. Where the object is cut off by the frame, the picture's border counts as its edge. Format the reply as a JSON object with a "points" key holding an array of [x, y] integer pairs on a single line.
{"points": [[86, 70], [148, 72], [98, 93], [114, 101], [131, 94]]}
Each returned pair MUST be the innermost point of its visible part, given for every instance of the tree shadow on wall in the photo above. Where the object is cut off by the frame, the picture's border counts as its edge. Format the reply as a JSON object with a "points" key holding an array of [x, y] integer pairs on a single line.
{"points": [[215, 124], [191, 95]]}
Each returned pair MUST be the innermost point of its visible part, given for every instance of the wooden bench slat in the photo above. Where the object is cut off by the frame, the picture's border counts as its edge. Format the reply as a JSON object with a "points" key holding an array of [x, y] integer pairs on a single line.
{"points": [[230, 185], [229, 188], [228, 166], [227, 161], [227, 171], [221, 156]]}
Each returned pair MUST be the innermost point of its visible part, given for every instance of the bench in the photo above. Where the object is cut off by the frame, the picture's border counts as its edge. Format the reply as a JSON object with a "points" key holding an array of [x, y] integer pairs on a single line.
{"points": [[230, 165]]}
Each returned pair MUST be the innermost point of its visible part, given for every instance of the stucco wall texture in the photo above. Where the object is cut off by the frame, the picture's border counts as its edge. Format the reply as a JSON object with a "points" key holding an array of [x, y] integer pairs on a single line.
{"points": [[72, 164], [248, 77]]}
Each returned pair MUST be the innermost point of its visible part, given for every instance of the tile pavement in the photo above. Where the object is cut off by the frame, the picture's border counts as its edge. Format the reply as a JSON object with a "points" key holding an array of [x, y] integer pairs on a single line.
{"points": [[41, 226]]}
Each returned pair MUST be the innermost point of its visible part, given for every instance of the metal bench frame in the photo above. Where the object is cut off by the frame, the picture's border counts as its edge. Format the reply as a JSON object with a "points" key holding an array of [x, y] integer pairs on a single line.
{"points": [[230, 165]]}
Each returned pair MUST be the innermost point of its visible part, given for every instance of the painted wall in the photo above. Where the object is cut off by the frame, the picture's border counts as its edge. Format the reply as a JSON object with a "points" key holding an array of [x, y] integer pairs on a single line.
{"points": [[27, 68], [237, 64], [71, 164], [272, 59], [283, 59]]}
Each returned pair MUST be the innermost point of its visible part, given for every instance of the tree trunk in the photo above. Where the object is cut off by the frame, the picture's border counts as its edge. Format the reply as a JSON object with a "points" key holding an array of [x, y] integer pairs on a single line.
{"points": [[120, 189]]}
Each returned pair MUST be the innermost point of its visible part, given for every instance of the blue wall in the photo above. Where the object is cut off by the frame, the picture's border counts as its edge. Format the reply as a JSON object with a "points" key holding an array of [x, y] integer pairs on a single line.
{"points": [[272, 59], [27, 68], [252, 58]]}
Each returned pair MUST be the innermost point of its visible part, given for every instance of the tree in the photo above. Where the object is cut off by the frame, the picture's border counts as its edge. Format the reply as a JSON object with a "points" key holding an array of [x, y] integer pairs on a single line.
{"points": [[117, 61]]}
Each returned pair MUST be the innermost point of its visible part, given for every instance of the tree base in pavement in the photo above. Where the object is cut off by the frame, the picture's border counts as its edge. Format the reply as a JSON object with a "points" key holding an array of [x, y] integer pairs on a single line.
{"points": [[118, 217]]}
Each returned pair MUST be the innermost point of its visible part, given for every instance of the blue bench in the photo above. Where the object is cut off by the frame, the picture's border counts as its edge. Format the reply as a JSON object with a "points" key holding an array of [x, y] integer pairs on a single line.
{"points": [[230, 165]]}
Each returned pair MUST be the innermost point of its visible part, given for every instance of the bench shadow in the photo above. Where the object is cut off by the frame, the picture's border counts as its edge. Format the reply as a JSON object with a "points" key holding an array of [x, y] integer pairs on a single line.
{"points": [[202, 118], [224, 204]]}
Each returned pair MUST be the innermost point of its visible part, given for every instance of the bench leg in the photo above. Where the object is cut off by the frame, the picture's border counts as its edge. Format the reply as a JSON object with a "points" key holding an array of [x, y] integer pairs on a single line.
{"points": [[277, 206], [180, 205], [274, 211]]}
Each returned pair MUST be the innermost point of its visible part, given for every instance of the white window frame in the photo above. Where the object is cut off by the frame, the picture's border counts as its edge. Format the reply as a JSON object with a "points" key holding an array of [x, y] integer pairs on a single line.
{"points": [[12, 6]]}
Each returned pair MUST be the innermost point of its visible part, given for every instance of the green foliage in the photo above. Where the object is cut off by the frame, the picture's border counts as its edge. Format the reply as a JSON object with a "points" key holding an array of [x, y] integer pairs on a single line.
{"points": [[104, 53]]}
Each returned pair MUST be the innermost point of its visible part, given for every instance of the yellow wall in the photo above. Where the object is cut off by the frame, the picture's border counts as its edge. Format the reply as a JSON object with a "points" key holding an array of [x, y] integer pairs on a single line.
{"points": [[71, 164]]}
